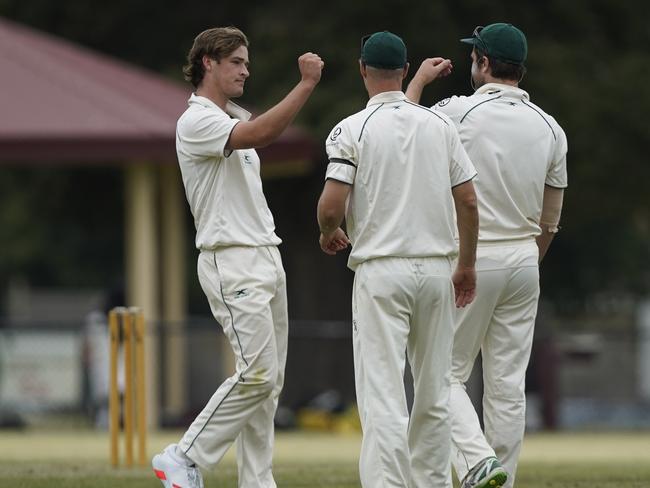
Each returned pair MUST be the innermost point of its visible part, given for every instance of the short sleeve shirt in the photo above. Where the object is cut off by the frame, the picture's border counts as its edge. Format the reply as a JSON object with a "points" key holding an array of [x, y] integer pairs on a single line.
{"points": [[223, 188], [402, 161], [516, 148]]}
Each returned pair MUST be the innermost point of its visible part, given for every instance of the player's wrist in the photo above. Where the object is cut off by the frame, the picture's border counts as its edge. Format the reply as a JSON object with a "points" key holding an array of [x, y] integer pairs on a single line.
{"points": [[308, 83], [327, 230], [419, 81]]}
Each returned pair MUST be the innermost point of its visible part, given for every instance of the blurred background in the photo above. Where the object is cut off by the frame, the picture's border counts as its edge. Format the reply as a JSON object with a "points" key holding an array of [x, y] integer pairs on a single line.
{"points": [[93, 213]]}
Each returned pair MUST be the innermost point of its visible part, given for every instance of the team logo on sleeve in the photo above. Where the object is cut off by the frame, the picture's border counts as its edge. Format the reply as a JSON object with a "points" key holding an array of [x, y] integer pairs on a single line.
{"points": [[335, 133], [444, 102]]}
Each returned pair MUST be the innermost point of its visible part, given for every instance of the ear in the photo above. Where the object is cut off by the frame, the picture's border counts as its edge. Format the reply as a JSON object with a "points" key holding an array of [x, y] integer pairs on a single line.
{"points": [[363, 70], [206, 62], [484, 64], [405, 72]]}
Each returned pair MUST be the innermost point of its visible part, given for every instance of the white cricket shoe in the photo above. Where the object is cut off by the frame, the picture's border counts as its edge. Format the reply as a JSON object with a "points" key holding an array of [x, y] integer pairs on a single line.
{"points": [[487, 474], [173, 472]]}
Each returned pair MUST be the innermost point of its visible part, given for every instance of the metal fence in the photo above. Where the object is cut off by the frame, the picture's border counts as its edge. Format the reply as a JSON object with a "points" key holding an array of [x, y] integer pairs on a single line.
{"points": [[49, 369]]}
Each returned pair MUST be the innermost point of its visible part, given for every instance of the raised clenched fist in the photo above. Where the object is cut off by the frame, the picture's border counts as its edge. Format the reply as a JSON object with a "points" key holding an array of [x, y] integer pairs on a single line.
{"points": [[311, 66], [433, 68]]}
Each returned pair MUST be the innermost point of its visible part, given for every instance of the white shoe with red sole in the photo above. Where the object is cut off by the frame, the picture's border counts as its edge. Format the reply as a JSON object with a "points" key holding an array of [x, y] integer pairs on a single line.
{"points": [[175, 474]]}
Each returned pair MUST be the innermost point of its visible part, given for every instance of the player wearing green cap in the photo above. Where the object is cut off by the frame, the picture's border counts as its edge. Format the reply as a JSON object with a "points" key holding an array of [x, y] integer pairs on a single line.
{"points": [[520, 155], [400, 169]]}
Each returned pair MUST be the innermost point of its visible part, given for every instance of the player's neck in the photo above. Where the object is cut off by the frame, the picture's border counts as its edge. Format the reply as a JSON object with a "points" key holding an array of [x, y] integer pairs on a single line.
{"points": [[214, 94], [376, 87], [501, 81]]}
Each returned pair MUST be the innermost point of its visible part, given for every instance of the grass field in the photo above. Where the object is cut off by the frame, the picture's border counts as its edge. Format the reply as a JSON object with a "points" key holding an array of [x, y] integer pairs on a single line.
{"points": [[78, 459]]}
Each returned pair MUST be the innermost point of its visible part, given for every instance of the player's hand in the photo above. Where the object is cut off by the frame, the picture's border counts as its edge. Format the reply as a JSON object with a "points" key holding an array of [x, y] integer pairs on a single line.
{"points": [[464, 280], [334, 242], [311, 67], [432, 69]]}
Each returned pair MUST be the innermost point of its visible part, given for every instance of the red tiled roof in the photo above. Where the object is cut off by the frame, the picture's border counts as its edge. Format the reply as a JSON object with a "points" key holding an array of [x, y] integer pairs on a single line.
{"points": [[60, 101]]}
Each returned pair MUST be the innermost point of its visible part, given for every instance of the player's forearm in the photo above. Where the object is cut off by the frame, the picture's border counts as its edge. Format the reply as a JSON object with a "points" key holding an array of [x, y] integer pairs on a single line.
{"points": [[414, 89], [467, 235], [268, 126], [467, 223], [330, 216], [331, 205], [544, 241], [550, 218]]}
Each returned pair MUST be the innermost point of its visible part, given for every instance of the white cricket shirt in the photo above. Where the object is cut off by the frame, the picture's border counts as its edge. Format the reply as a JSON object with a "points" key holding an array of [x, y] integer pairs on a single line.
{"points": [[402, 161], [516, 148], [223, 188]]}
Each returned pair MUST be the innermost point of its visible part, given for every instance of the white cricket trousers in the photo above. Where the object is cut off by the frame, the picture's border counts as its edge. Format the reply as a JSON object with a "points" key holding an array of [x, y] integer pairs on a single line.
{"points": [[246, 288], [403, 306], [500, 323]]}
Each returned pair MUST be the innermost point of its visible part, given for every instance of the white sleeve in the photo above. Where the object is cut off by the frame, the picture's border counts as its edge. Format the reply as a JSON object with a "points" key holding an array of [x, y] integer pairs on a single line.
{"points": [[461, 169], [557, 172], [341, 154], [205, 134], [452, 107]]}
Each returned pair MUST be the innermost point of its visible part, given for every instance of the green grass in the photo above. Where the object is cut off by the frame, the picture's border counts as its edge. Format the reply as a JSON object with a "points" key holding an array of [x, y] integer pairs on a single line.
{"points": [[57, 459]]}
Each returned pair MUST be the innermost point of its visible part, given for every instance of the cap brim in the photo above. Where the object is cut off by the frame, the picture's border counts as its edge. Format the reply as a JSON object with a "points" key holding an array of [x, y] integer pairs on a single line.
{"points": [[469, 40]]}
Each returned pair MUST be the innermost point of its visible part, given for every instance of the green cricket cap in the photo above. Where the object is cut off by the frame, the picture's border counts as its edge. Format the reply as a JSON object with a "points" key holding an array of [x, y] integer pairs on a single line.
{"points": [[383, 50], [500, 41]]}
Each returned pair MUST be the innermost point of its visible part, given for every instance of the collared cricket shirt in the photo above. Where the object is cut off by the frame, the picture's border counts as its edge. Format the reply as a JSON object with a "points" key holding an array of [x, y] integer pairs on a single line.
{"points": [[223, 188], [516, 148], [402, 161]]}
